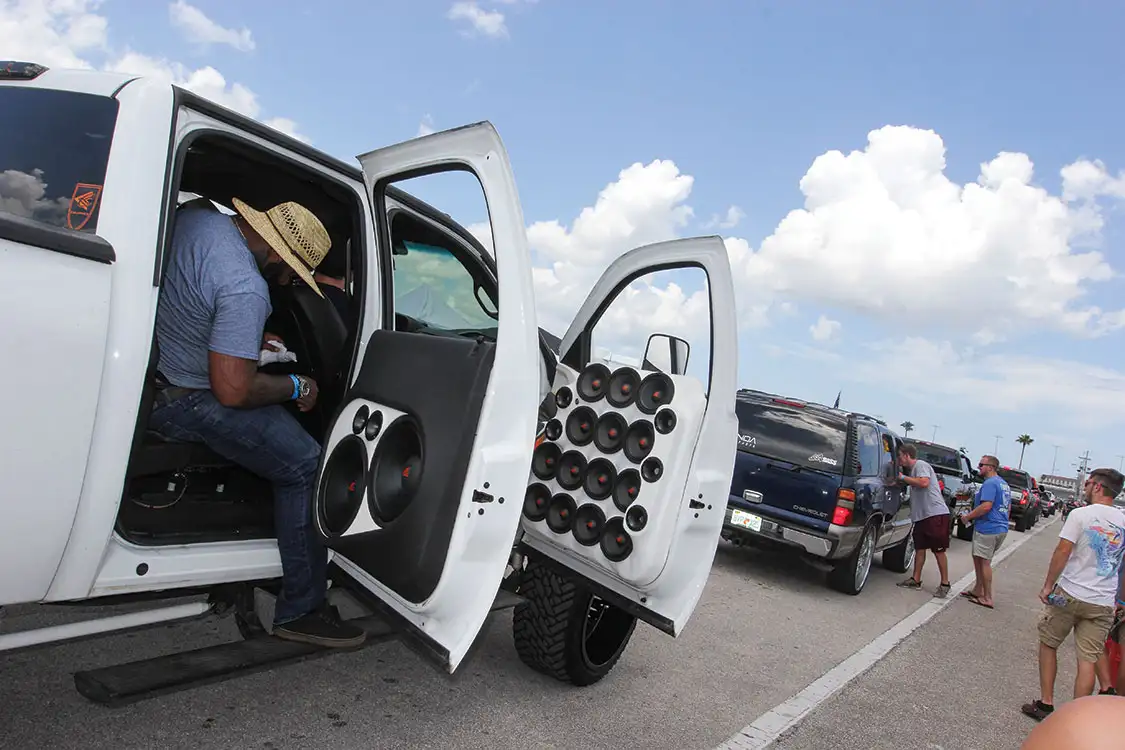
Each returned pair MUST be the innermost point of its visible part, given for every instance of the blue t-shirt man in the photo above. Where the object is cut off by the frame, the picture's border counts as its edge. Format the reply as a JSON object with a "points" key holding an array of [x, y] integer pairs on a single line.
{"points": [[214, 297], [995, 521]]}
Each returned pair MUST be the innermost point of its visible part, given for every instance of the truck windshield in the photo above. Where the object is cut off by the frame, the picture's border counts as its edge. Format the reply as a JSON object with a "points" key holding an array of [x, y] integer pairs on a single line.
{"points": [[53, 155], [801, 436]]}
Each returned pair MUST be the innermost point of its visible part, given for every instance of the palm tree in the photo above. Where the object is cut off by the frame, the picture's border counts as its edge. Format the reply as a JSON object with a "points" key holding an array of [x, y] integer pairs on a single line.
{"points": [[907, 426], [1024, 440]]}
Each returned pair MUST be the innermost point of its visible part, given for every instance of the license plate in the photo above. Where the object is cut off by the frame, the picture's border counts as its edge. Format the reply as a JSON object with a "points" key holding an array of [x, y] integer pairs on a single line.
{"points": [[746, 520], [752, 496]]}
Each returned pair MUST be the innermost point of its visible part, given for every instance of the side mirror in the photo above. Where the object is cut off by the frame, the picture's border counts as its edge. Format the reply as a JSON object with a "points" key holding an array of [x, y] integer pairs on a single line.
{"points": [[667, 354]]}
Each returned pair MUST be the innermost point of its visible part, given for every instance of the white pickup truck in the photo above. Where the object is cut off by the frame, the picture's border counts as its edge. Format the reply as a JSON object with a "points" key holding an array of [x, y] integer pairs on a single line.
{"points": [[584, 497]]}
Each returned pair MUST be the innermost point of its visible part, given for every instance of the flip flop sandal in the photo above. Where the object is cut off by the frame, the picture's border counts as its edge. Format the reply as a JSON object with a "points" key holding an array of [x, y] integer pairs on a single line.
{"points": [[1037, 710], [979, 603], [968, 595]]}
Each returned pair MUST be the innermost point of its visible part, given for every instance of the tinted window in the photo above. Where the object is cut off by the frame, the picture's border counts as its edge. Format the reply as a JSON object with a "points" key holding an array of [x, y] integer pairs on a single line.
{"points": [[432, 286], [1015, 479], [940, 458], [53, 155], [792, 434], [869, 451]]}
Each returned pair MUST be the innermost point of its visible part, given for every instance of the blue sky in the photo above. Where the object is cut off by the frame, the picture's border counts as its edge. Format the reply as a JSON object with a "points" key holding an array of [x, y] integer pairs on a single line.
{"points": [[743, 97]]}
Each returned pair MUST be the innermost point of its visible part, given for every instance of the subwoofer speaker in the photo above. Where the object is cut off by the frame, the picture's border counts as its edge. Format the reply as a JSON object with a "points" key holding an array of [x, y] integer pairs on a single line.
{"points": [[553, 430], [341, 486], [580, 425], [589, 521], [639, 440], [652, 469], [545, 460], [560, 513], [593, 382], [563, 397], [609, 435], [572, 470], [623, 385], [600, 476], [656, 391], [615, 541], [396, 470], [636, 518], [535, 501], [626, 489]]}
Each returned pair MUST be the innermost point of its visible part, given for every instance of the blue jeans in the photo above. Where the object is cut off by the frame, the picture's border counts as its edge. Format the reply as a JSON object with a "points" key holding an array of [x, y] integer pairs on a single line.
{"points": [[271, 443]]}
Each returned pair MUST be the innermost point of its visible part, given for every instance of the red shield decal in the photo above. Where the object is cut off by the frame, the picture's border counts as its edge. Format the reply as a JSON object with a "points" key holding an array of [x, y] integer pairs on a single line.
{"points": [[82, 205]]}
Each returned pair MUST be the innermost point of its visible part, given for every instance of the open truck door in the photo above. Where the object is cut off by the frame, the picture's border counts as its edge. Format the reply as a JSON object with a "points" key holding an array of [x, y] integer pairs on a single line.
{"points": [[419, 488], [629, 484]]}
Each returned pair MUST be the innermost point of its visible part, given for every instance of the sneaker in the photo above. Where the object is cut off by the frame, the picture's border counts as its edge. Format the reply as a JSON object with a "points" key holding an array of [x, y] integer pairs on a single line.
{"points": [[322, 627], [909, 583], [1108, 691], [1037, 709], [942, 591]]}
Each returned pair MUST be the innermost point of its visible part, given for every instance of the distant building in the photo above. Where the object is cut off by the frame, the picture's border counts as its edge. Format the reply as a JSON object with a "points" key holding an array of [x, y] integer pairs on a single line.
{"points": [[1060, 485]]}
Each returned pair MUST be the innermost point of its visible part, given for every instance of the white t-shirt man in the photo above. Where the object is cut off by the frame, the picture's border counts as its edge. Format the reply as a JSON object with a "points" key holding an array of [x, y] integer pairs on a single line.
{"points": [[1092, 572]]}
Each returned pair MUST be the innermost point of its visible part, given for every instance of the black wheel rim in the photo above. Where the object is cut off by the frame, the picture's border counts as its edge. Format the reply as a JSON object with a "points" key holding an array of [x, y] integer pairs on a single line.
{"points": [[603, 632]]}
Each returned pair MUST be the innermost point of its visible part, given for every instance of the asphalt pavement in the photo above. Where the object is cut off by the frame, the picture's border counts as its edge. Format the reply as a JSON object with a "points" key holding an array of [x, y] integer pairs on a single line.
{"points": [[767, 627]]}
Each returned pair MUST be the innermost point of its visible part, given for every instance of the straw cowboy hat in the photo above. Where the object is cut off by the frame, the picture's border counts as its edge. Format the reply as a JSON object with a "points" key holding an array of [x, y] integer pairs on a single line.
{"points": [[294, 233]]}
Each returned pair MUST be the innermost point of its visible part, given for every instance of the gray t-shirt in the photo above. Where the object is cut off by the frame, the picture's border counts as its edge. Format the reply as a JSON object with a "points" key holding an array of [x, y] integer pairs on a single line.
{"points": [[926, 502], [214, 298]]}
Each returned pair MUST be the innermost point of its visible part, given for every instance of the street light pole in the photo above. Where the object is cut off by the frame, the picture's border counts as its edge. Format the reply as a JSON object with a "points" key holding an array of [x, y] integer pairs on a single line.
{"points": [[1121, 463], [1056, 458], [935, 433], [996, 448]]}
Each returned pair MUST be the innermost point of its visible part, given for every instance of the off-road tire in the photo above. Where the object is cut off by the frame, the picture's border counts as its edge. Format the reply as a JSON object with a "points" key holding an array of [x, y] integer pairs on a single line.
{"points": [[900, 558], [548, 628]]}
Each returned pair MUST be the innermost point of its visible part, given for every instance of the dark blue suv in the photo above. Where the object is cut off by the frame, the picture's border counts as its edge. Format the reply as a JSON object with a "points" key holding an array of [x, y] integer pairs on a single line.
{"points": [[821, 482]]}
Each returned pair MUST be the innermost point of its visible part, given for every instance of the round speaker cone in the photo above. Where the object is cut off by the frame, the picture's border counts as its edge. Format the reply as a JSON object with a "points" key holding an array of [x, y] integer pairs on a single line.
{"points": [[609, 435], [593, 382], [545, 460], [360, 419], [665, 421], [580, 425], [396, 470], [588, 524], [341, 486], [563, 397], [623, 385], [572, 470], [616, 542], [656, 390], [639, 440], [553, 430], [560, 513], [600, 477], [626, 489], [652, 469], [636, 518], [535, 501], [374, 426]]}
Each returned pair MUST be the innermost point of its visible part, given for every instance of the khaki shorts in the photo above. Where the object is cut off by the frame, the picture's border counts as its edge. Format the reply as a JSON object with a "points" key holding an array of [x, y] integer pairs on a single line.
{"points": [[1090, 623], [985, 546]]}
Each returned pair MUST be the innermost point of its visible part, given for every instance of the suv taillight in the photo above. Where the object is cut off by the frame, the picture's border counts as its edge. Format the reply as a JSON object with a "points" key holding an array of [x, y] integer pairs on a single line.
{"points": [[845, 506], [1023, 498]]}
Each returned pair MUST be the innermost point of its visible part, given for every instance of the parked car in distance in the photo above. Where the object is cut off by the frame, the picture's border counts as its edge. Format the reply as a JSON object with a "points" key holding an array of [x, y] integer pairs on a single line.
{"points": [[1026, 506], [820, 482], [956, 476]]}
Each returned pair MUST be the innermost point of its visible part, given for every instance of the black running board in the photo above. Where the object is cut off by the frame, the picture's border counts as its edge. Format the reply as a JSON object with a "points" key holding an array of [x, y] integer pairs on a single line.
{"points": [[123, 684]]}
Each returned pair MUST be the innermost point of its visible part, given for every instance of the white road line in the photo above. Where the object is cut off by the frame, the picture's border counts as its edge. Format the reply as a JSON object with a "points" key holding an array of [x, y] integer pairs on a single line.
{"points": [[762, 732]]}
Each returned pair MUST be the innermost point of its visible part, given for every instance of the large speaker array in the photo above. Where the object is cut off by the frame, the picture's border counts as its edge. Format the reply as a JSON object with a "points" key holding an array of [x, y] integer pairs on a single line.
{"points": [[596, 486], [373, 469]]}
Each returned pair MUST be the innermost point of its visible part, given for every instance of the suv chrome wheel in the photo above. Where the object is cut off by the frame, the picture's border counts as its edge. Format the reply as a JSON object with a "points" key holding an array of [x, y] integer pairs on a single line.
{"points": [[863, 564]]}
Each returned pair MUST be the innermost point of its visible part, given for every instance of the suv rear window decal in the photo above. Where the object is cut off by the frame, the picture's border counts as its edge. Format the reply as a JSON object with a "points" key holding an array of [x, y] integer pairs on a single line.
{"points": [[83, 203]]}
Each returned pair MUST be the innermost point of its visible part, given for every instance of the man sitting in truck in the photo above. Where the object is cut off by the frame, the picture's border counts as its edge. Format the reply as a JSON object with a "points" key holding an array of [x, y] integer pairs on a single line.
{"points": [[210, 325]]}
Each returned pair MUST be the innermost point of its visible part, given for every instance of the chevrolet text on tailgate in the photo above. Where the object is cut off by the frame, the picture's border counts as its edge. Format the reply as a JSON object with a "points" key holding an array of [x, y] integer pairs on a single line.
{"points": [[820, 482], [421, 483]]}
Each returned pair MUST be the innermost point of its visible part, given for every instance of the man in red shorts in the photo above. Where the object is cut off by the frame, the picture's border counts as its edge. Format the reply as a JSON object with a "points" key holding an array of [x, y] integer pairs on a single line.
{"points": [[930, 515]]}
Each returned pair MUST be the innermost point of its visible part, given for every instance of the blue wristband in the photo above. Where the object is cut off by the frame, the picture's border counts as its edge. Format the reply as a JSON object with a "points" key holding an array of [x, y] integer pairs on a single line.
{"points": [[296, 387]]}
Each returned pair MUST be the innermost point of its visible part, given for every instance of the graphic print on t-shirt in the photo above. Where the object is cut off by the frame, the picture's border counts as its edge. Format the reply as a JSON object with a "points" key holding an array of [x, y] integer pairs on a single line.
{"points": [[1108, 543]]}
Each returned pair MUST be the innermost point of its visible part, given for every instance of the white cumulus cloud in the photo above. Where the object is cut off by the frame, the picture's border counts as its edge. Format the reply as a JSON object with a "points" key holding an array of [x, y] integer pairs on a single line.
{"points": [[198, 28], [824, 328], [489, 23]]}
